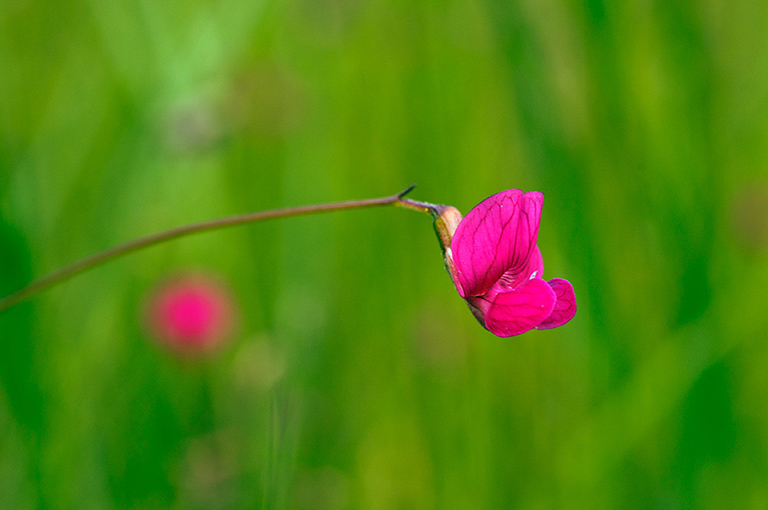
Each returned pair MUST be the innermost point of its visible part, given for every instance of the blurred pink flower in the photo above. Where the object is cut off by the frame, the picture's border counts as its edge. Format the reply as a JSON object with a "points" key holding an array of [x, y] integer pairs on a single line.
{"points": [[191, 313], [497, 266]]}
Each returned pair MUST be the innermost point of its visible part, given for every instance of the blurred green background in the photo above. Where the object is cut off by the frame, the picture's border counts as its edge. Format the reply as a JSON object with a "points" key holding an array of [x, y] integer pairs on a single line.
{"points": [[357, 378]]}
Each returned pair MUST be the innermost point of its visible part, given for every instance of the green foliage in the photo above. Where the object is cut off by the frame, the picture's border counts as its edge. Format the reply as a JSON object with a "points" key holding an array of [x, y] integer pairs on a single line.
{"points": [[357, 378]]}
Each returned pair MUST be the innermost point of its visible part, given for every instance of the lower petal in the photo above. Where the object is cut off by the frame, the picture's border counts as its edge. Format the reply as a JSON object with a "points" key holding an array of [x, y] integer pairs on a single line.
{"points": [[519, 310], [565, 307]]}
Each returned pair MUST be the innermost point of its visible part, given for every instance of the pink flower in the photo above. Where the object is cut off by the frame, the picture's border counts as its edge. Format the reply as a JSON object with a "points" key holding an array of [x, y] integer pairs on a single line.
{"points": [[191, 313], [497, 266]]}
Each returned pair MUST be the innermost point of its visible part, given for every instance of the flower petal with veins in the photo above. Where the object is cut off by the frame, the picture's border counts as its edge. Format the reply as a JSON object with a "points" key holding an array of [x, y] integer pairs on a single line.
{"points": [[496, 237], [519, 310], [565, 307], [533, 269]]}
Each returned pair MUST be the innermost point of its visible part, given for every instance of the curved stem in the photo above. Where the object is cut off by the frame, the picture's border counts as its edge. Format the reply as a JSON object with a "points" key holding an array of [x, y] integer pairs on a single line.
{"points": [[118, 251]]}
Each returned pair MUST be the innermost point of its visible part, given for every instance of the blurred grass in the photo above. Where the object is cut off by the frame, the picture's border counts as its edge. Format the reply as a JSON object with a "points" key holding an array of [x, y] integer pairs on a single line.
{"points": [[357, 378]]}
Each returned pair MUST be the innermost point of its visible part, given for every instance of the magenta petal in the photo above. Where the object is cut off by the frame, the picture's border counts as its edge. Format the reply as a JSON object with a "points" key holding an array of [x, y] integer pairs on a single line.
{"points": [[519, 310], [516, 277], [535, 264], [496, 237], [565, 307]]}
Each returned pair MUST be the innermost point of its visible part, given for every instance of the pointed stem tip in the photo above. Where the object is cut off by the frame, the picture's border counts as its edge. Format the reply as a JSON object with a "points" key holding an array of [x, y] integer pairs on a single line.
{"points": [[406, 191]]}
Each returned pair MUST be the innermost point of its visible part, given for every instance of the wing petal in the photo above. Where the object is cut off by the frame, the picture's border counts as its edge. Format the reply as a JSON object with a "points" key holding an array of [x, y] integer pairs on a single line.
{"points": [[565, 307], [519, 310]]}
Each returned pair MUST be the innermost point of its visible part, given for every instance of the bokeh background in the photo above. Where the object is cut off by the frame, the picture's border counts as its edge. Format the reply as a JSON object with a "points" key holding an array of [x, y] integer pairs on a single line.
{"points": [[356, 377]]}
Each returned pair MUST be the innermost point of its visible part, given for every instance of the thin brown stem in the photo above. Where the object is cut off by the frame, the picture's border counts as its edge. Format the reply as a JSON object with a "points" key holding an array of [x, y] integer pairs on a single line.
{"points": [[92, 261], [424, 207]]}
